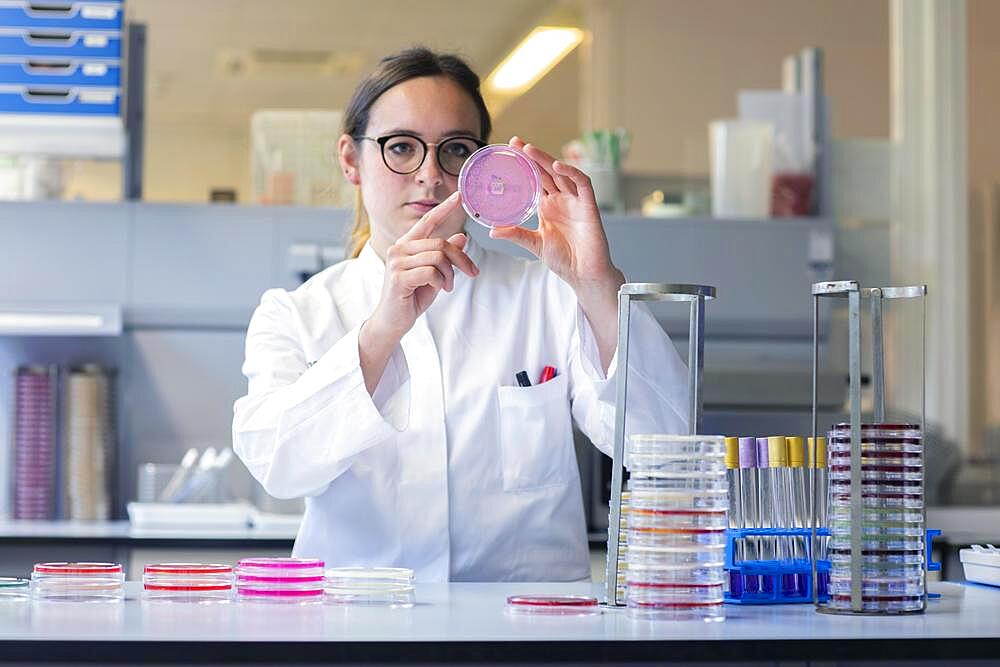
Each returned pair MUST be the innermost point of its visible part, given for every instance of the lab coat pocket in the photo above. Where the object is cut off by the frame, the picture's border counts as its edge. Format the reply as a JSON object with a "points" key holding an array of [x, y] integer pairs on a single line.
{"points": [[536, 435]]}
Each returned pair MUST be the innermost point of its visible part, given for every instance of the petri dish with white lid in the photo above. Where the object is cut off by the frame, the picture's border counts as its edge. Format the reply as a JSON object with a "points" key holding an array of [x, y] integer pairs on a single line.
{"points": [[280, 580], [78, 582], [201, 583], [500, 186], [370, 586], [552, 605]]}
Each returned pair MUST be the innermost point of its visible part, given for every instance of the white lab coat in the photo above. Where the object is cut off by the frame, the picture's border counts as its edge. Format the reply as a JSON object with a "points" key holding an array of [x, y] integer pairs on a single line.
{"points": [[450, 468]]}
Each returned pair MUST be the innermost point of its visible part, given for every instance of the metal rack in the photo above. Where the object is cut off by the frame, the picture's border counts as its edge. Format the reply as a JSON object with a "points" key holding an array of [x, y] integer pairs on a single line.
{"points": [[696, 295], [854, 293]]}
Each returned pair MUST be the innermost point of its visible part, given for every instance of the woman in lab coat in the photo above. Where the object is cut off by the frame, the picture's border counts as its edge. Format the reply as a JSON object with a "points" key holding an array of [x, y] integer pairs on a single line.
{"points": [[383, 389]]}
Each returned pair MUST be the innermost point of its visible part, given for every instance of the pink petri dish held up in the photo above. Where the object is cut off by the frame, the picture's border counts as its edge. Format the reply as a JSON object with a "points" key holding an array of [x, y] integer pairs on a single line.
{"points": [[500, 186]]}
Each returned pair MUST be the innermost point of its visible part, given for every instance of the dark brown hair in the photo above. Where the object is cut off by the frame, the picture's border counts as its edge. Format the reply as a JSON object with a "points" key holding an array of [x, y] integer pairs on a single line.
{"points": [[391, 71]]}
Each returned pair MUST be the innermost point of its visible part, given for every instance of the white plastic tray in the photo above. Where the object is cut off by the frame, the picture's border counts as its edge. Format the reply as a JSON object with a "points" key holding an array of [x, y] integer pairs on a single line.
{"points": [[190, 515], [982, 564]]}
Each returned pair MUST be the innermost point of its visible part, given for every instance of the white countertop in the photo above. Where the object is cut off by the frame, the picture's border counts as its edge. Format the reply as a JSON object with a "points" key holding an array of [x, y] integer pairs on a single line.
{"points": [[460, 613]]}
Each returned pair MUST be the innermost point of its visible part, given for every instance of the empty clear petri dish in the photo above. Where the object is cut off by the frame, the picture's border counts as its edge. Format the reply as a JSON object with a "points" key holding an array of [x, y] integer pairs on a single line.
{"points": [[886, 604], [554, 605], [373, 586], [78, 582], [14, 589], [675, 575], [880, 557], [877, 543], [500, 186], [187, 583], [878, 570], [680, 519], [660, 610], [694, 486], [691, 447], [680, 557], [677, 537]]}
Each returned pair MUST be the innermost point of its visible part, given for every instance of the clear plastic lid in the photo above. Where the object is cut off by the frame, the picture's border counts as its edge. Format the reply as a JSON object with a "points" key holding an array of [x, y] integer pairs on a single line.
{"points": [[370, 577], [677, 446], [8, 583], [188, 569], [500, 186], [281, 563], [78, 569]]}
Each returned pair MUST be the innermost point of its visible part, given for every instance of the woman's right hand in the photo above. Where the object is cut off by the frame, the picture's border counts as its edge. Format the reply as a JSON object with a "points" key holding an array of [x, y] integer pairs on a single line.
{"points": [[417, 268]]}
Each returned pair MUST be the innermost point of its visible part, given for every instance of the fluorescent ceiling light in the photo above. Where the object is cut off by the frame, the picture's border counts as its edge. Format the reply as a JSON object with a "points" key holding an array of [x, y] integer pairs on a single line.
{"points": [[532, 59], [49, 321]]}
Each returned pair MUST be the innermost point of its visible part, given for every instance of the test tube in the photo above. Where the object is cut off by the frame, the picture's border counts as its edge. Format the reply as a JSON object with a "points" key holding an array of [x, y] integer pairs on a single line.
{"points": [[765, 500], [800, 517], [736, 519], [777, 461], [751, 512], [821, 494]]}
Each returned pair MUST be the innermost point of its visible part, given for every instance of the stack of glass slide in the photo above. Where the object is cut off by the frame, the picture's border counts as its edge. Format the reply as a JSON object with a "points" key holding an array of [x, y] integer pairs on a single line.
{"points": [[660, 446], [876, 476]]}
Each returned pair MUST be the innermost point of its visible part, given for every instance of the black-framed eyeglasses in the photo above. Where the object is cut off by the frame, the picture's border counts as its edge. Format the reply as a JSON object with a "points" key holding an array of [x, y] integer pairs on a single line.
{"points": [[405, 153]]}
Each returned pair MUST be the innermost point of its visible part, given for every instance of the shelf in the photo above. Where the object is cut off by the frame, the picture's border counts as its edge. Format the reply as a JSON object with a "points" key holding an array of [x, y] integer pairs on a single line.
{"points": [[56, 136], [32, 319]]}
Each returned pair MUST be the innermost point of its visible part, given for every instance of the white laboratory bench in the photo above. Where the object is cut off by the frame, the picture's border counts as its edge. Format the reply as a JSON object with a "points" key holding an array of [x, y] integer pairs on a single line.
{"points": [[466, 623]]}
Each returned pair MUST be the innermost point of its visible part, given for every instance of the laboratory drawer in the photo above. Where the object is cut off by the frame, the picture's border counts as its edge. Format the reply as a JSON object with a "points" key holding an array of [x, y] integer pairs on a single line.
{"points": [[59, 72], [33, 43], [88, 14], [62, 101]]}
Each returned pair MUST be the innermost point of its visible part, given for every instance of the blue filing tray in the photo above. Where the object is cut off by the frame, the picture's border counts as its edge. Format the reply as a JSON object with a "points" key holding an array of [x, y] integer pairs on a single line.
{"points": [[86, 14], [68, 101], [59, 73], [85, 44], [785, 581]]}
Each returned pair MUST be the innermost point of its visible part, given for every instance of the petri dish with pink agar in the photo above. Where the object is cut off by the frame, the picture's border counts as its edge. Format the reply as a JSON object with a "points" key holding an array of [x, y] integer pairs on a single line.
{"points": [[500, 186], [280, 580]]}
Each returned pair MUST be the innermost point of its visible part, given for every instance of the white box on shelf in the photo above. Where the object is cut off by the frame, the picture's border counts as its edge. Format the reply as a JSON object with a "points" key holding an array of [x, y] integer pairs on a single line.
{"points": [[192, 516], [981, 564]]}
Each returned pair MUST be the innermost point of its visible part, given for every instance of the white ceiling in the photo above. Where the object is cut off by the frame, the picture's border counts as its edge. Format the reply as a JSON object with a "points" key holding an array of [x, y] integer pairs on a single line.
{"points": [[189, 40]]}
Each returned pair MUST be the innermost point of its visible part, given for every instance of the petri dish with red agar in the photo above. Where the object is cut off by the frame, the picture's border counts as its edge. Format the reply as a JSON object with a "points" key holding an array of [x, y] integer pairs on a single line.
{"points": [[500, 186], [78, 582], [187, 582], [552, 605]]}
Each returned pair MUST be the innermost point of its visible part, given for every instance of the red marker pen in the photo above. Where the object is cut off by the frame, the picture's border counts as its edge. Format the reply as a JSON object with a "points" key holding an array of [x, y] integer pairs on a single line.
{"points": [[548, 373]]}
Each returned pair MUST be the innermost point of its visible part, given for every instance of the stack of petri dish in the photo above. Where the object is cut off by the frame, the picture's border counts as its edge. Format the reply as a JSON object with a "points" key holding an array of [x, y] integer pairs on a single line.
{"points": [[78, 582], [88, 436], [35, 417], [187, 582], [370, 586], [891, 521], [622, 545], [677, 520], [280, 580]]}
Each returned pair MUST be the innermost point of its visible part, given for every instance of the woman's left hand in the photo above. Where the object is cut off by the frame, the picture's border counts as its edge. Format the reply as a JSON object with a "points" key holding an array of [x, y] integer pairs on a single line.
{"points": [[570, 237]]}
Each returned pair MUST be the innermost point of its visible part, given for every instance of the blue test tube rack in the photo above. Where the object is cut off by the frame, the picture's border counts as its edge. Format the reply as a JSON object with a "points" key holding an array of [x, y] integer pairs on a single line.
{"points": [[785, 581]]}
